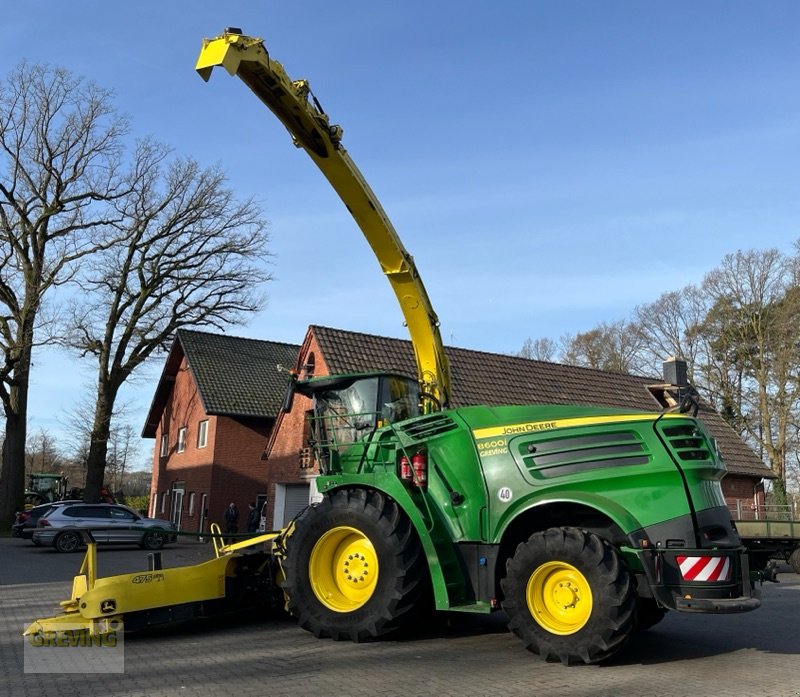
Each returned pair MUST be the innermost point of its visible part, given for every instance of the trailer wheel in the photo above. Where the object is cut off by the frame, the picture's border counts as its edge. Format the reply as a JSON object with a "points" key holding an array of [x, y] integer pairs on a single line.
{"points": [[794, 560], [569, 597], [354, 567]]}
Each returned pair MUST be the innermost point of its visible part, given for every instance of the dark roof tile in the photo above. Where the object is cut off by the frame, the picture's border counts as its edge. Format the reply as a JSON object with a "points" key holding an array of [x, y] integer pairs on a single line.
{"points": [[236, 376]]}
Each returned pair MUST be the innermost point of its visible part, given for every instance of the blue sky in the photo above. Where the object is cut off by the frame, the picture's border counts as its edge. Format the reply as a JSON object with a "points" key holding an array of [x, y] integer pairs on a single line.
{"points": [[550, 165]]}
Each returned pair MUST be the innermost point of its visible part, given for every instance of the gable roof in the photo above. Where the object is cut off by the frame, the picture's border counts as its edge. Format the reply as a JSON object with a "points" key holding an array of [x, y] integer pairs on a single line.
{"points": [[496, 379], [234, 376]]}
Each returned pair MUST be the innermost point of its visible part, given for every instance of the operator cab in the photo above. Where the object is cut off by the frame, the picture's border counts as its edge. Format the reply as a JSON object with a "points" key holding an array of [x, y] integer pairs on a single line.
{"points": [[349, 408]]}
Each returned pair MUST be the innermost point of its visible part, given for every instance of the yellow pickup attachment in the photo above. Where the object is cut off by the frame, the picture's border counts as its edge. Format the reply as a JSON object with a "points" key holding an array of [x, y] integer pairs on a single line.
{"points": [[97, 604]]}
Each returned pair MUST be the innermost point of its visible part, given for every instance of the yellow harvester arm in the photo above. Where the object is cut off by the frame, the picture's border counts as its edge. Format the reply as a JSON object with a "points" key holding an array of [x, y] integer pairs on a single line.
{"points": [[297, 108]]}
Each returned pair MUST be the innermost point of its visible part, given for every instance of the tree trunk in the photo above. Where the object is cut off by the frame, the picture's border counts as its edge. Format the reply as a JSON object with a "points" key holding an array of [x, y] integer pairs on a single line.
{"points": [[12, 473], [98, 443]]}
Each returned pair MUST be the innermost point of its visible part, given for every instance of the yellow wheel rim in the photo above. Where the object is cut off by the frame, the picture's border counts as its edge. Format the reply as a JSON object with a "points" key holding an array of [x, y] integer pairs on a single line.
{"points": [[559, 598], [343, 569]]}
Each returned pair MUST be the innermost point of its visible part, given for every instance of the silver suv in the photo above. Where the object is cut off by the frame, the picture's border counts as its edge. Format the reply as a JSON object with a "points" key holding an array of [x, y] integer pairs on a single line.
{"points": [[109, 523]]}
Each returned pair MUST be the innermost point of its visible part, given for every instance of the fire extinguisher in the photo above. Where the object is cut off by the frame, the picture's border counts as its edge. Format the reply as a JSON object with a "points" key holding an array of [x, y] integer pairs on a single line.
{"points": [[420, 465], [405, 470]]}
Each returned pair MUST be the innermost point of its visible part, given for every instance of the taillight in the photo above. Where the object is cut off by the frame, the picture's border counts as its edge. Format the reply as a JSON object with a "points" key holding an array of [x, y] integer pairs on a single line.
{"points": [[43, 523]]}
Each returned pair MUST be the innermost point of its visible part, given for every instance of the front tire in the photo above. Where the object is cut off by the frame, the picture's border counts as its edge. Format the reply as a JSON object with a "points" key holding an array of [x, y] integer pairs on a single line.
{"points": [[354, 567], [569, 597], [153, 541]]}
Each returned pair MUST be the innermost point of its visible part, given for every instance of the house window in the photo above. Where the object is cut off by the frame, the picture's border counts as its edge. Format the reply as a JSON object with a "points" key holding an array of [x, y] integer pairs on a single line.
{"points": [[191, 504], [181, 439], [310, 366], [164, 451], [163, 502], [153, 504], [202, 434]]}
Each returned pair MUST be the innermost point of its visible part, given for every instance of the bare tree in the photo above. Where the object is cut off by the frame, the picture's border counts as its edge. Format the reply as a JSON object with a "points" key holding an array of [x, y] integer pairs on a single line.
{"points": [[122, 448], [542, 349], [193, 255], [755, 358], [60, 143], [613, 347], [669, 327], [42, 453]]}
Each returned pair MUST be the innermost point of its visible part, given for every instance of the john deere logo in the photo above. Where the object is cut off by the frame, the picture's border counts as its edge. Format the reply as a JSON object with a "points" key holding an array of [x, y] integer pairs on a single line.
{"points": [[108, 606]]}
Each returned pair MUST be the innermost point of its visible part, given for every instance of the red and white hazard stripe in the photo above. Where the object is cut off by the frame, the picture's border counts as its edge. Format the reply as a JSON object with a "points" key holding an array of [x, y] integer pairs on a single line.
{"points": [[705, 568]]}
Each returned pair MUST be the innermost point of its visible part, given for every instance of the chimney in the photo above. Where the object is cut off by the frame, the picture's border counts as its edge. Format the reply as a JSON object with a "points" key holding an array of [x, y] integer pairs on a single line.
{"points": [[675, 372]]}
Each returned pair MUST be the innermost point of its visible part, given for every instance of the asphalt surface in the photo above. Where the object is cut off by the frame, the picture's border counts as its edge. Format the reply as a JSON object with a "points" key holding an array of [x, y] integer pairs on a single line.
{"points": [[756, 653]]}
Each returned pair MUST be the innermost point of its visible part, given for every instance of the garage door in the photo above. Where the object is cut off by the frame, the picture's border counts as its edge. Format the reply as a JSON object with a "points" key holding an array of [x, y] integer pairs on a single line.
{"points": [[295, 499]]}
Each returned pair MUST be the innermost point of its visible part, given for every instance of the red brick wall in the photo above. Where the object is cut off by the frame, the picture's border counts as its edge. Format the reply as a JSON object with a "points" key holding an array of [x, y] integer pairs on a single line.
{"points": [[284, 458], [738, 487], [239, 472], [193, 466]]}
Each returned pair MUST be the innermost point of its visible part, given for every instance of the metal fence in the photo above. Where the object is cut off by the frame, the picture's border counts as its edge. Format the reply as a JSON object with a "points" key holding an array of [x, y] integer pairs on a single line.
{"points": [[745, 509]]}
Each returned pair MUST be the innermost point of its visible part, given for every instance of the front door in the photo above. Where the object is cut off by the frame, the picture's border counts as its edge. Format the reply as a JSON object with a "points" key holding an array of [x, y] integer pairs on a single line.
{"points": [[177, 506], [201, 525]]}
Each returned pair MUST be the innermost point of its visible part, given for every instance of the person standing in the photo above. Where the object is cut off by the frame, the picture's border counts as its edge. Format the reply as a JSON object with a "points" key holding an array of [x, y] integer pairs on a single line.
{"points": [[231, 519], [253, 519]]}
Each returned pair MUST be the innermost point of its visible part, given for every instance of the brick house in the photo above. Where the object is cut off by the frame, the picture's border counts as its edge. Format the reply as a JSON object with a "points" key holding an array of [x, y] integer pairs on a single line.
{"points": [[211, 415], [285, 480]]}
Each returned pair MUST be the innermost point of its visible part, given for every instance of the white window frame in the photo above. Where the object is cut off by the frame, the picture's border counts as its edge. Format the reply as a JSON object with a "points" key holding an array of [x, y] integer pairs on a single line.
{"points": [[202, 434], [191, 503], [164, 495], [164, 449], [181, 439]]}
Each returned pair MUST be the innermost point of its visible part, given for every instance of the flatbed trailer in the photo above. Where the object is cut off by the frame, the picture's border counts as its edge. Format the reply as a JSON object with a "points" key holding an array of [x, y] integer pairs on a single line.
{"points": [[766, 540]]}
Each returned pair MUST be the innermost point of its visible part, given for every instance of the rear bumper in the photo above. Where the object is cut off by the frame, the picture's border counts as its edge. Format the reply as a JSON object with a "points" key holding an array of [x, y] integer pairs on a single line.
{"points": [[679, 589], [43, 537], [718, 606]]}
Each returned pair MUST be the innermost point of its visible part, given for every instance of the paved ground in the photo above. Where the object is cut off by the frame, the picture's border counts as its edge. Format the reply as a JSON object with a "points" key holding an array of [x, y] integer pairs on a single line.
{"points": [[752, 654]]}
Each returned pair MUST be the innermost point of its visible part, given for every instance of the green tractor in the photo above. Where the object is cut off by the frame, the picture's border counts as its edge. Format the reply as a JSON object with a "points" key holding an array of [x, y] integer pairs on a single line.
{"points": [[583, 524], [45, 488]]}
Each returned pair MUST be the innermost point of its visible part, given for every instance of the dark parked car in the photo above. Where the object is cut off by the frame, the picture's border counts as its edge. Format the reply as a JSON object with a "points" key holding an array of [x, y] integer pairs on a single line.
{"points": [[25, 522], [109, 523]]}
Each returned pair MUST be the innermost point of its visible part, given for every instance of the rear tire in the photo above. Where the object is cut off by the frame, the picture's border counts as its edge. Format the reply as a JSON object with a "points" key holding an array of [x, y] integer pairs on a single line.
{"points": [[569, 597], [354, 567], [67, 542]]}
